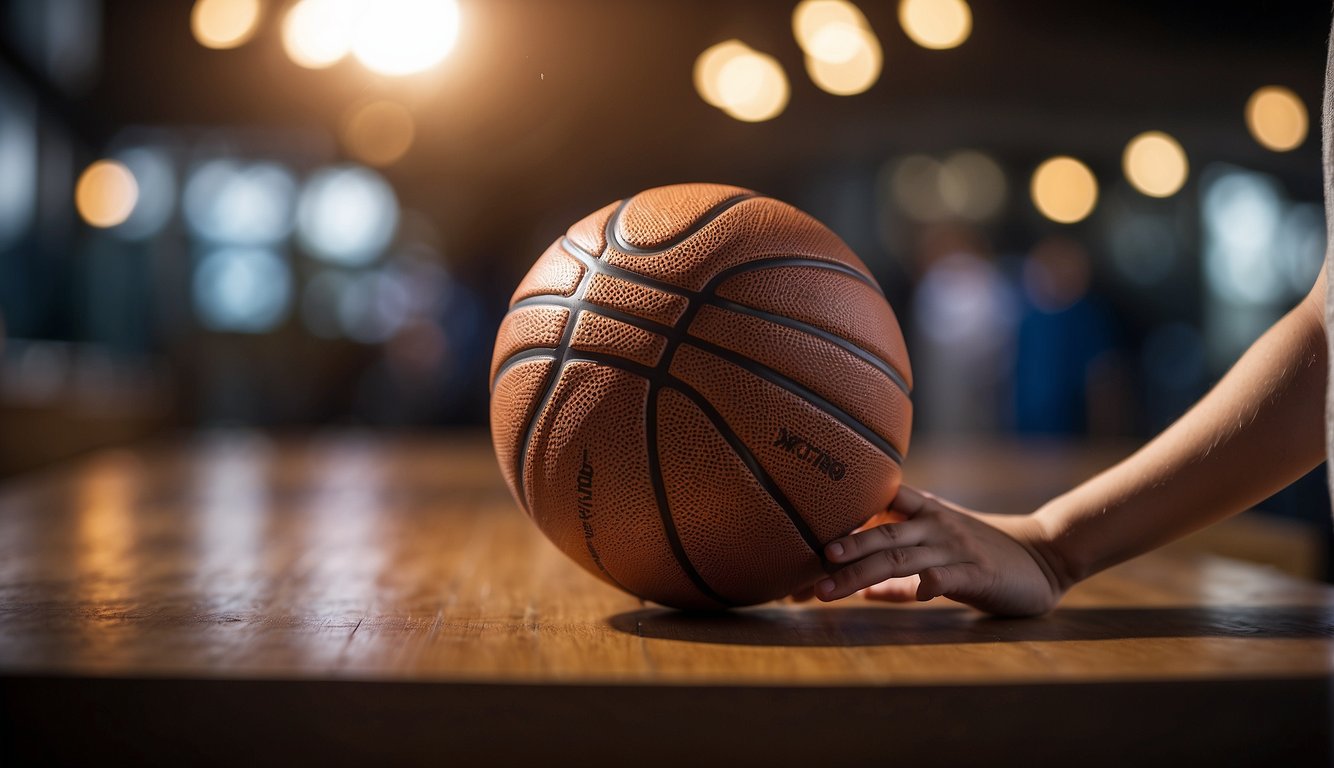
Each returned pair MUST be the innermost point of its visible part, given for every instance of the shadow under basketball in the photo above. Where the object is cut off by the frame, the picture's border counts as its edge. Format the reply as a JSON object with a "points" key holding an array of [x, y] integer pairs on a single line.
{"points": [[870, 625]]}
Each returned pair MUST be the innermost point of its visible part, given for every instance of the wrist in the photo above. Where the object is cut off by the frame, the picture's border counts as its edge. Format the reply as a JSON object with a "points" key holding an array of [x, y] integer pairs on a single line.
{"points": [[1066, 567]]}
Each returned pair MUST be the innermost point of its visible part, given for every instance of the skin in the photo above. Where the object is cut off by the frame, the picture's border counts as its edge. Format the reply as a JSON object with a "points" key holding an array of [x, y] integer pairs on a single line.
{"points": [[1258, 430]]}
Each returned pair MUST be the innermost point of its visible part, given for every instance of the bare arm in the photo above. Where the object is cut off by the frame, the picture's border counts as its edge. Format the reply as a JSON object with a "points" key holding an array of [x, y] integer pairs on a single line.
{"points": [[1260, 428]]}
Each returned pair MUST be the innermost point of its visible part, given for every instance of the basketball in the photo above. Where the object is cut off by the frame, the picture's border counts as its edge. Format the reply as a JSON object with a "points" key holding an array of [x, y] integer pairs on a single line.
{"points": [[694, 390]]}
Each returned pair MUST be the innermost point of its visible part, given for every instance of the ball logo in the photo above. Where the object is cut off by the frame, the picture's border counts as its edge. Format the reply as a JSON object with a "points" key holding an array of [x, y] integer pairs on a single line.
{"points": [[799, 447], [583, 490]]}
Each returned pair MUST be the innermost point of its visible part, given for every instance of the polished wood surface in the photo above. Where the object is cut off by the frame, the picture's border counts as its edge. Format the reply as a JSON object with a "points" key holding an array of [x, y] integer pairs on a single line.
{"points": [[246, 567]]}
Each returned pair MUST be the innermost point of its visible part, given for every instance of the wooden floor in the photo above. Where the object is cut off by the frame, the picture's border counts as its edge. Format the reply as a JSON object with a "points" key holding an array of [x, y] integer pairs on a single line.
{"points": [[351, 599]]}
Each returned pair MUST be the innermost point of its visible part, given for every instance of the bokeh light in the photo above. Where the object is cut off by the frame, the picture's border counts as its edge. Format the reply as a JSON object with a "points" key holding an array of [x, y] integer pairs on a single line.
{"points": [[224, 24], [318, 33], [709, 63], [1242, 211], [1064, 190], [752, 87], [106, 193], [854, 74], [226, 201], [18, 158], [347, 215], [1155, 164], [378, 133], [1300, 246], [936, 24], [812, 16], [152, 171], [242, 289], [403, 37], [972, 185], [1277, 118]]}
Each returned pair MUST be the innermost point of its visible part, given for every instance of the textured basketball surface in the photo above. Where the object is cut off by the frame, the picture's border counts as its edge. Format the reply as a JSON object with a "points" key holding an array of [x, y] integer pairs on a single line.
{"points": [[697, 388]]}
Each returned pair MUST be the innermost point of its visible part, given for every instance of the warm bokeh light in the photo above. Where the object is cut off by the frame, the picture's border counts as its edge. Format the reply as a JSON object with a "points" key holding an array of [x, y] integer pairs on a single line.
{"points": [[854, 75], [710, 63], [972, 185], [378, 133], [1155, 164], [403, 37], [318, 33], [936, 24], [811, 16], [106, 193], [752, 87], [1277, 118], [1064, 190], [224, 23], [829, 30]]}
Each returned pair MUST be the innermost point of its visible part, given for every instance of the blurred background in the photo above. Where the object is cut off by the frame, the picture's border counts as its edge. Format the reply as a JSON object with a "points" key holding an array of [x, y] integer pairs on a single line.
{"points": [[294, 215]]}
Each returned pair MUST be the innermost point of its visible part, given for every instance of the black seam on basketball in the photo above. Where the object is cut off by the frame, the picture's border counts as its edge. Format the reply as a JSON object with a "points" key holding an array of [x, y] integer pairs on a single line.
{"points": [[555, 405], [775, 262], [707, 296], [747, 457], [703, 221], [520, 357], [664, 507], [783, 382], [797, 325], [563, 348], [642, 323], [662, 379]]}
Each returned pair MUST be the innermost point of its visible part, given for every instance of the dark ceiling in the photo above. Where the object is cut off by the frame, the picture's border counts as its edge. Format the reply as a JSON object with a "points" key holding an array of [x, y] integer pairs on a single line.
{"points": [[547, 109]]}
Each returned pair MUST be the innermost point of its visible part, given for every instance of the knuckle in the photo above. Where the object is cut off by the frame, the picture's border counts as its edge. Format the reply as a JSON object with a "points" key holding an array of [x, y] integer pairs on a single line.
{"points": [[887, 533]]}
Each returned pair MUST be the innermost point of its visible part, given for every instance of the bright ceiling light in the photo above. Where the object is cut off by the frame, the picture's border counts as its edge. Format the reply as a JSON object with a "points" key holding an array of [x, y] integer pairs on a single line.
{"points": [[1155, 164], [106, 193], [1064, 190], [710, 63], [853, 75], [936, 24], [224, 23], [1276, 118], [752, 87], [403, 37]]}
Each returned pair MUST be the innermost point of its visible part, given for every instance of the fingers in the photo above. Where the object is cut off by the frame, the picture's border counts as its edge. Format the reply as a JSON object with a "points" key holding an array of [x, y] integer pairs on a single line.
{"points": [[946, 580], [848, 549], [876, 567], [910, 501]]}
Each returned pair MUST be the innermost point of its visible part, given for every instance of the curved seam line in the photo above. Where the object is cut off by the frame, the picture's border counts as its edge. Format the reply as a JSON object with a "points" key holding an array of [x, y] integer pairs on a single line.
{"points": [[549, 389], [792, 387], [642, 323], [846, 345], [660, 496], [778, 262], [703, 221], [522, 356], [747, 457], [668, 331]]}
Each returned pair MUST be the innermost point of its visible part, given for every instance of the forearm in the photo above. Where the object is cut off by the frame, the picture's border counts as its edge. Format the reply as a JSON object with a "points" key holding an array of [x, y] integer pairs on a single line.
{"points": [[1257, 431]]}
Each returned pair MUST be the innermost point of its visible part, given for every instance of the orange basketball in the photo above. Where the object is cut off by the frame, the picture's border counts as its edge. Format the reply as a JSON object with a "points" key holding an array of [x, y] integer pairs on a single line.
{"points": [[696, 389]]}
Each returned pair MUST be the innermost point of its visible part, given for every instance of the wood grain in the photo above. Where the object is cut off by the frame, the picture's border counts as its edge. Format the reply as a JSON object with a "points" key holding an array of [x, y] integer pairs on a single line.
{"points": [[302, 562]]}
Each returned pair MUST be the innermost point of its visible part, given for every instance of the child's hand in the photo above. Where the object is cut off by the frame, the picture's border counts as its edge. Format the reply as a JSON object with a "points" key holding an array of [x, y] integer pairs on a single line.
{"points": [[996, 563]]}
